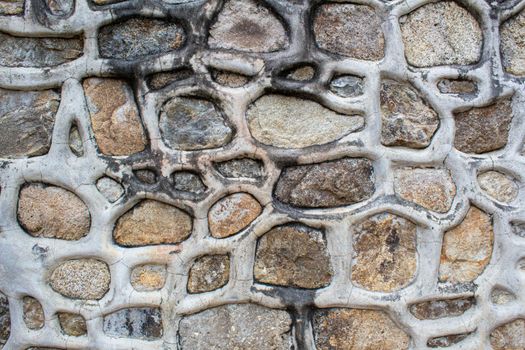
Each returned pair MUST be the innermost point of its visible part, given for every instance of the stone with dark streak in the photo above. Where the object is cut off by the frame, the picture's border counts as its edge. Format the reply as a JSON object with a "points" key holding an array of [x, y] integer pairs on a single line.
{"points": [[134, 322]]}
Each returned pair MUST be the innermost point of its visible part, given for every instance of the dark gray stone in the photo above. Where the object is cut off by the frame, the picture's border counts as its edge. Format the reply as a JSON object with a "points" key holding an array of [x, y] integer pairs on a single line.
{"points": [[186, 181], [5, 320], [347, 86], [139, 323], [241, 167], [146, 176]]}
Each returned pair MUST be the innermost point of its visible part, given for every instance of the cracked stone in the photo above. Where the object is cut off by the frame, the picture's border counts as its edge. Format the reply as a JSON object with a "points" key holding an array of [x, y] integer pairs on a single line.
{"points": [[135, 322], [5, 319], [110, 188], [232, 214], [149, 277], [33, 313], [72, 324], [347, 86], [186, 181], [512, 46], [208, 273], [435, 309], [241, 168], [509, 336], [498, 185]]}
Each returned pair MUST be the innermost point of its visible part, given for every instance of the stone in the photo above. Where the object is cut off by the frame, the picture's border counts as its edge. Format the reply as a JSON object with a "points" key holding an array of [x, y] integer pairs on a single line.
{"points": [[137, 38], [85, 279], [293, 255], [134, 322], [467, 248], [160, 80], [357, 329], [498, 186], [232, 214], [72, 324], [483, 129], [241, 168], [291, 122], [106, 2], [500, 296], [75, 142], [333, 183], [114, 116], [33, 313], [149, 277], [351, 30], [512, 46], [5, 320], [190, 124], [509, 336], [16, 51], [52, 212], [151, 222], [431, 188], [11, 8], [447, 340], [229, 79], [146, 176], [26, 122], [110, 188], [518, 228], [208, 273], [347, 86], [303, 73], [237, 326], [457, 87], [186, 181], [435, 309], [407, 119], [60, 8], [441, 33], [385, 257], [247, 25]]}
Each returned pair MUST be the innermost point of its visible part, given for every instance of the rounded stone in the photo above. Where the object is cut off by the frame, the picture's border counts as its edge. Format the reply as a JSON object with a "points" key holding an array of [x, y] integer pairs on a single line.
{"points": [[512, 45], [232, 214], [347, 85], [110, 188], [509, 336], [148, 277], [72, 324], [33, 313], [208, 273], [499, 186]]}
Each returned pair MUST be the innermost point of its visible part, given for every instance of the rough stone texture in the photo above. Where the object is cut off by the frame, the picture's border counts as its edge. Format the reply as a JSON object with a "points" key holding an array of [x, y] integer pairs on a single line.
{"points": [[110, 188], [499, 186], [467, 248], [5, 319], [85, 279], [290, 122], [146, 176], [160, 80], [347, 86], [334, 24], [75, 142], [304, 73], [435, 309], [146, 278], [512, 45], [241, 168], [72, 324], [447, 340], [208, 273], [457, 87], [237, 326], [384, 252], [500, 296], [510, 336], [518, 228], [52, 212], [333, 183], [230, 79], [356, 329], [439, 34], [232, 214], [11, 7], [186, 181], [33, 313], [60, 8], [151, 222], [140, 323], [26, 122], [293, 255]]}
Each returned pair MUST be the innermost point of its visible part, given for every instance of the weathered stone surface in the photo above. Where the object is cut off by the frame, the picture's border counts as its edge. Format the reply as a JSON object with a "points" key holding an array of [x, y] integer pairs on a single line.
{"points": [[385, 257], [457, 86], [160, 80], [510, 336], [237, 326], [246, 25], [86, 279], [33, 313], [518, 228], [146, 176], [139, 323], [72, 324], [60, 8], [407, 119], [114, 116], [75, 142], [500, 296], [441, 33], [241, 168], [232, 214], [5, 320], [26, 122], [512, 45], [435, 309], [11, 7], [110, 188], [191, 124], [186, 181], [483, 129], [52, 212], [137, 38], [347, 86], [431, 188], [333, 183], [467, 248], [349, 29], [230, 79], [356, 329], [498, 185], [151, 222], [446, 341], [293, 256], [146, 278], [208, 273], [303, 73]]}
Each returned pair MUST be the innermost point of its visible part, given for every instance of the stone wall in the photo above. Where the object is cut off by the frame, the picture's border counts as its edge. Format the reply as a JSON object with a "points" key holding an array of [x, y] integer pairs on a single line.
{"points": [[249, 174]]}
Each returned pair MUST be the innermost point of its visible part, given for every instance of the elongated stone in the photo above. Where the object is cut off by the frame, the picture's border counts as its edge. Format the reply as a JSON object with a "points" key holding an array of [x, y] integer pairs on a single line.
{"points": [[435, 309], [135, 322], [512, 46]]}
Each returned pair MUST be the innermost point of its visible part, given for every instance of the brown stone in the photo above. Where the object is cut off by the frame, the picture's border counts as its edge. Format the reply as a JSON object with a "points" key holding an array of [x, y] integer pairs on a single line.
{"points": [[446, 340], [232, 214], [498, 185], [230, 79], [208, 273], [457, 86], [512, 46], [33, 313], [510, 336], [149, 277], [303, 73], [435, 309], [11, 7], [5, 320], [160, 80], [72, 324]]}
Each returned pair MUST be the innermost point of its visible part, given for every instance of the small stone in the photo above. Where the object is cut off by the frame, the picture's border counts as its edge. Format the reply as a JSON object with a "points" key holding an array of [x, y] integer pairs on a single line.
{"points": [[499, 186], [457, 87], [333, 183], [247, 25], [435, 309], [85, 279], [186, 181], [160, 80], [511, 44], [147, 278], [232, 214], [237, 326], [500, 296], [190, 124], [52, 212], [241, 168], [135, 322], [60, 8], [115, 117], [151, 222], [291, 122], [208, 273], [351, 30], [467, 248], [146, 176], [356, 329], [518, 228], [483, 129], [33, 313], [105, 2], [510, 336], [431, 188], [446, 341], [10, 8], [407, 119], [230, 79], [304, 73], [75, 142], [293, 256], [110, 188], [5, 320], [72, 324], [347, 86]]}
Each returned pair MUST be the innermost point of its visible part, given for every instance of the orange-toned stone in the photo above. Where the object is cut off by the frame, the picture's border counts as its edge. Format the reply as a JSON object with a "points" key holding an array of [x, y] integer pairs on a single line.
{"points": [[233, 213]]}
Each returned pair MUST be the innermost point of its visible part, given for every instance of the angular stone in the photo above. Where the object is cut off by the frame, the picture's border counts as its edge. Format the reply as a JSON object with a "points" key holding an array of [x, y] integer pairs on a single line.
{"points": [[446, 341], [208, 273], [146, 176], [33, 313], [237, 326], [509, 336], [60, 8], [407, 119], [75, 142], [151, 222], [356, 329], [303, 73], [52, 212], [483, 129], [230, 79], [186, 181], [441, 33], [500, 296], [435, 309], [293, 256], [347, 85], [457, 86], [149, 277], [114, 116], [135, 322], [85, 279], [467, 248], [247, 25], [110, 188], [499, 186], [241, 168], [138, 38], [431, 188], [232, 214], [512, 46], [26, 122], [291, 122], [190, 124], [72, 324], [349, 29], [160, 80], [333, 183], [5, 320], [11, 7]]}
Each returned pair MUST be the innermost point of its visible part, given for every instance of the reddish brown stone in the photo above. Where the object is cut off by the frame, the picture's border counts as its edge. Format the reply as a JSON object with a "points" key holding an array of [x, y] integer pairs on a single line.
{"points": [[231, 214]]}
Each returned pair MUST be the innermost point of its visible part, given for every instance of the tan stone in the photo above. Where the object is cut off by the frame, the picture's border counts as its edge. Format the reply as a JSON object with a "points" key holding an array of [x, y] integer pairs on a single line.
{"points": [[33, 313], [304, 73], [230, 79], [11, 7], [208, 273], [85, 279], [499, 186], [510, 336], [232, 213], [72, 324], [512, 46], [500, 296], [148, 277]]}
